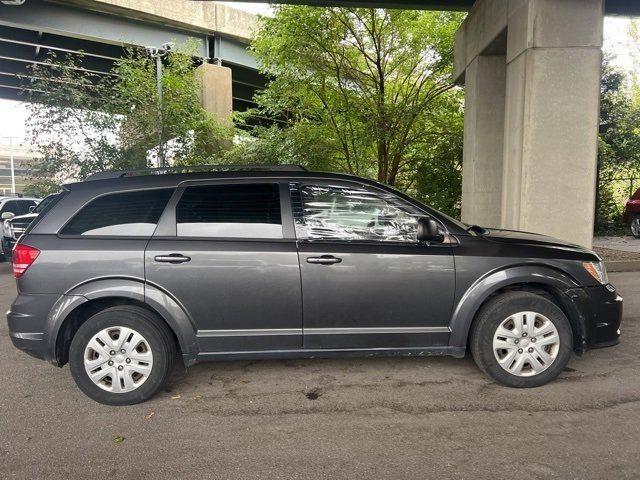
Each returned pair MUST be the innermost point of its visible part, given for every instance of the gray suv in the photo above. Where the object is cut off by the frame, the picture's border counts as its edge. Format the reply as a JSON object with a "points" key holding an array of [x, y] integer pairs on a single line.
{"points": [[123, 274]]}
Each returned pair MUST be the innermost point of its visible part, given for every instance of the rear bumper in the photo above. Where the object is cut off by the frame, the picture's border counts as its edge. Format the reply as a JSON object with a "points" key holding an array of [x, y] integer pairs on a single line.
{"points": [[601, 311], [28, 320], [31, 343]]}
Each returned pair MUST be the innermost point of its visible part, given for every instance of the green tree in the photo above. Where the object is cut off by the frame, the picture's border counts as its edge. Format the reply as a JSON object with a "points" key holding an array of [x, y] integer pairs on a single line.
{"points": [[363, 91], [82, 122], [619, 145]]}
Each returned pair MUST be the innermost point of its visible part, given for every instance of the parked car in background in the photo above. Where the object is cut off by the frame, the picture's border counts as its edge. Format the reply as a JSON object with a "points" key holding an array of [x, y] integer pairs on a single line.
{"points": [[13, 206], [125, 270], [632, 214], [13, 228]]}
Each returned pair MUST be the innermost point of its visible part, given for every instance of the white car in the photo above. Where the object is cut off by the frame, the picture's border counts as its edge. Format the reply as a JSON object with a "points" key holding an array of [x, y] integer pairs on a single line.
{"points": [[12, 206]]}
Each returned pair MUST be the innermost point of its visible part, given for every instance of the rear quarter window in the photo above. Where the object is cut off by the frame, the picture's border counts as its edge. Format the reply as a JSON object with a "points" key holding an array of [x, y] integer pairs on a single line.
{"points": [[44, 208], [128, 214]]}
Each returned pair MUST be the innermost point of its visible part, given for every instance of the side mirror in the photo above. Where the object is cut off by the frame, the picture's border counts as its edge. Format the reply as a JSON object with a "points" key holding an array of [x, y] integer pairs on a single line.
{"points": [[428, 231], [32, 208], [8, 215]]}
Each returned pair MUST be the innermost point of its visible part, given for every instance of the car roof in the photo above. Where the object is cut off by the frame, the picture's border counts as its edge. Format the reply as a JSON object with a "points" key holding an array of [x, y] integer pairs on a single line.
{"points": [[2, 199], [80, 193], [174, 179]]}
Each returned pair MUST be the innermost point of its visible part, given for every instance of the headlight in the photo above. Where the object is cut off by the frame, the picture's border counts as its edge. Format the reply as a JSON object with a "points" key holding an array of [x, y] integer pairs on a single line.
{"points": [[597, 271]]}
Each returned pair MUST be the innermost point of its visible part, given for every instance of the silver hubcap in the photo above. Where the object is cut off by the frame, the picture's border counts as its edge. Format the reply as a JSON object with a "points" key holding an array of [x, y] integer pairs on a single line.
{"points": [[118, 359], [635, 227], [526, 344]]}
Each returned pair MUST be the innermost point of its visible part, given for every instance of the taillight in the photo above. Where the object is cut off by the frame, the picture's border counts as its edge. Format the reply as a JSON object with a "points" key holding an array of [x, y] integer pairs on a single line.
{"points": [[23, 257]]}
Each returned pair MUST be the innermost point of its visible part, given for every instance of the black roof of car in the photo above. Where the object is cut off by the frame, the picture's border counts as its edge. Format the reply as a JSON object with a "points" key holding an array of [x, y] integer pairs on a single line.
{"points": [[169, 177]]}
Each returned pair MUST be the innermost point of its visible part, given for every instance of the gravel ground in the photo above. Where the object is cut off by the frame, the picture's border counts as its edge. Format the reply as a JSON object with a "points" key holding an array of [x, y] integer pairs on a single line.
{"points": [[400, 418], [623, 244], [609, 254]]}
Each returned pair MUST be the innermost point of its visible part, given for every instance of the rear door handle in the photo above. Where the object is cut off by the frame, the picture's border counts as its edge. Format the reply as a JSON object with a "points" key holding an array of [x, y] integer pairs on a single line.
{"points": [[324, 260], [172, 258]]}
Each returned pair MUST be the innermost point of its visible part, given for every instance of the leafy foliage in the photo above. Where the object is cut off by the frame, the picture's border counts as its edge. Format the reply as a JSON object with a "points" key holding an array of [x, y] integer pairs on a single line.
{"points": [[82, 122], [619, 147], [363, 91]]}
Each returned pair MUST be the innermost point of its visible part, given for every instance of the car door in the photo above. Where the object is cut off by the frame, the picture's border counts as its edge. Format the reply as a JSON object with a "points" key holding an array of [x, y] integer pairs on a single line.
{"points": [[226, 251], [366, 281]]}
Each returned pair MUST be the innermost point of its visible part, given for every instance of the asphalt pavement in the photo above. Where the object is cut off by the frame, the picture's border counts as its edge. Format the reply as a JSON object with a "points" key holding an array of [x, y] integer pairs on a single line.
{"points": [[380, 418]]}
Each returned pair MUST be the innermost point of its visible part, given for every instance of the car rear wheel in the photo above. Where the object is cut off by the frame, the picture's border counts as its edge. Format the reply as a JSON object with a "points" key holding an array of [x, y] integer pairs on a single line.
{"points": [[521, 340], [635, 226], [121, 355]]}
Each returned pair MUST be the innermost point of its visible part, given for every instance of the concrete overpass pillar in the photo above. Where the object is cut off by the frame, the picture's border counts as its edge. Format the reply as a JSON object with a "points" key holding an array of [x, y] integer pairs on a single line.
{"points": [[553, 57], [216, 97], [483, 148]]}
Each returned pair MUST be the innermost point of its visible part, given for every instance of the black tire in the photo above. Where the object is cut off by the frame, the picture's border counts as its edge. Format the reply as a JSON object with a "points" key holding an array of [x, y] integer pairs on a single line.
{"points": [[634, 231], [152, 328], [494, 312]]}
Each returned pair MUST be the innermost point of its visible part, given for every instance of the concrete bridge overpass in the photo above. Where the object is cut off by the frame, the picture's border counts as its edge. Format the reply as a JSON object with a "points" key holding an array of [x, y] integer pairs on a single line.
{"points": [[101, 29]]}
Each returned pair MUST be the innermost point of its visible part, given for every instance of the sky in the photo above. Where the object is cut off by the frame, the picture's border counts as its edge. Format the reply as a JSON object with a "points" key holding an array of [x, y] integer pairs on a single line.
{"points": [[13, 114]]}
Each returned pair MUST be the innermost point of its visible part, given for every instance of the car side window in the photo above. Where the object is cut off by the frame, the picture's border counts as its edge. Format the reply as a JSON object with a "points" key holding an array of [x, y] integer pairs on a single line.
{"points": [[22, 206], [355, 213], [230, 211], [9, 206], [126, 214]]}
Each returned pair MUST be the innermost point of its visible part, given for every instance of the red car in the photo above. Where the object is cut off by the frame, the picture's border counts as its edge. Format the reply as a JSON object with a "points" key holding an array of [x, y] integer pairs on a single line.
{"points": [[632, 214]]}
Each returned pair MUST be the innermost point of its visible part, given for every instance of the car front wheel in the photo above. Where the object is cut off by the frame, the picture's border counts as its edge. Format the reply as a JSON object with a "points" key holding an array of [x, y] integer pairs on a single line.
{"points": [[121, 355], [521, 339]]}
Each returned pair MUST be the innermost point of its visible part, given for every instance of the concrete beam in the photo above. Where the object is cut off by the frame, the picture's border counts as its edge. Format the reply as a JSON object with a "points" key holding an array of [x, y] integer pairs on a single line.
{"points": [[552, 57], [409, 4], [483, 150], [613, 7], [216, 96], [194, 16], [485, 22], [85, 24], [552, 111]]}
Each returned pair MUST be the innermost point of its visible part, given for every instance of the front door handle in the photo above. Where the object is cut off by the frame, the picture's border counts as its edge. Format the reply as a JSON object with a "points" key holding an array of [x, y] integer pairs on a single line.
{"points": [[172, 258], [324, 260]]}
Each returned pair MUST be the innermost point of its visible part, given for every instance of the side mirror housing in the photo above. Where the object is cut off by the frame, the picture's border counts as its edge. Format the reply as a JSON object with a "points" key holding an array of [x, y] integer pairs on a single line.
{"points": [[8, 215], [428, 231], [32, 208]]}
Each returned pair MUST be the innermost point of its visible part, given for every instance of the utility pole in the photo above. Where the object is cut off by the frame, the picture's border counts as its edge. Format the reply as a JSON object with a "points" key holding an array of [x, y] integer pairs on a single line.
{"points": [[161, 159], [12, 162], [13, 169], [159, 54]]}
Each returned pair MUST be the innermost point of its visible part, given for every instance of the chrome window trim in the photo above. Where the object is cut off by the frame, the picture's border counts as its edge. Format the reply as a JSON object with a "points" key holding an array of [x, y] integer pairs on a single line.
{"points": [[374, 330], [249, 332]]}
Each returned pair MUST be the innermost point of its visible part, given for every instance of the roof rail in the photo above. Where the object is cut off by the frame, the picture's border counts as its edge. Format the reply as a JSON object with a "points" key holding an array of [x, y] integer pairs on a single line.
{"points": [[193, 169]]}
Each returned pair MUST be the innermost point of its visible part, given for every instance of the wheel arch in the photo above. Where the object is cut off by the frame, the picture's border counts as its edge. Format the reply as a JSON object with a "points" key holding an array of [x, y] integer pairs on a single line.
{"points": [[85, 300], [543, 280]]}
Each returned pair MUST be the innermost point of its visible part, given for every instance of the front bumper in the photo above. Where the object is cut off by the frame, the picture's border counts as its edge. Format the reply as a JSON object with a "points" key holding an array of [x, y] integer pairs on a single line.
{"points": [[600, 311]]}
